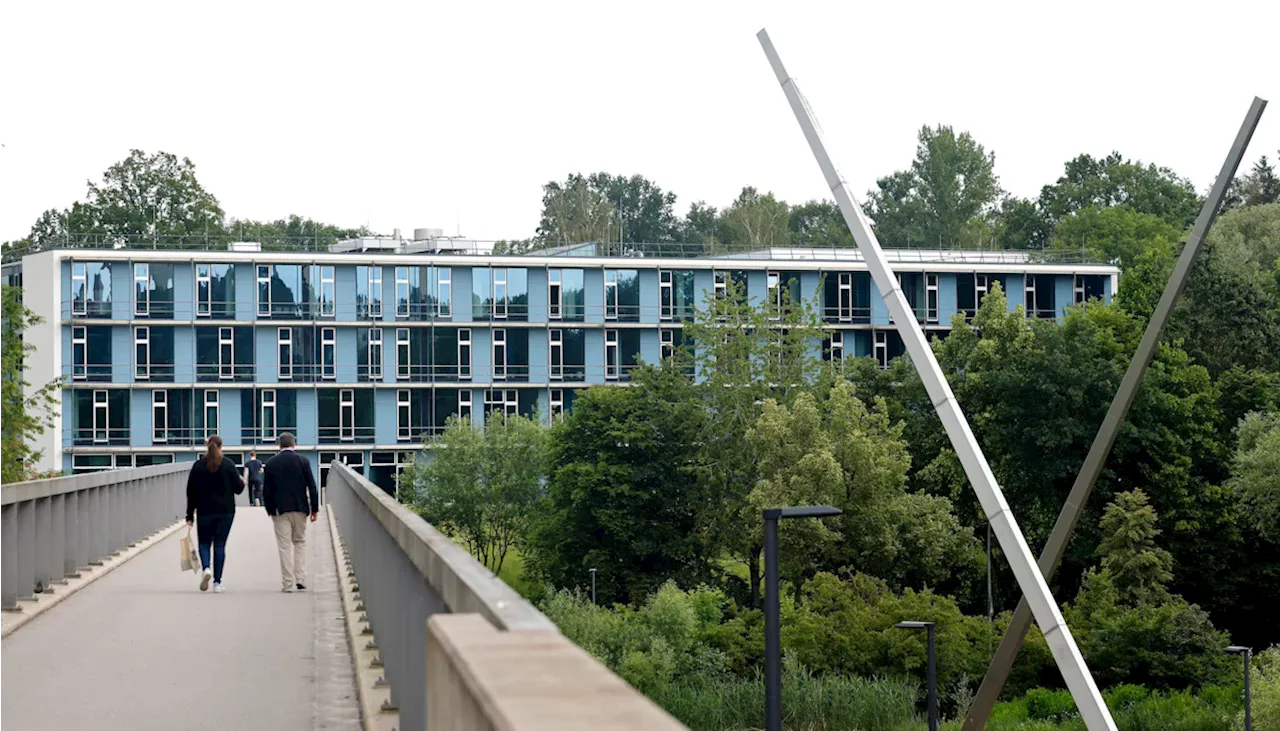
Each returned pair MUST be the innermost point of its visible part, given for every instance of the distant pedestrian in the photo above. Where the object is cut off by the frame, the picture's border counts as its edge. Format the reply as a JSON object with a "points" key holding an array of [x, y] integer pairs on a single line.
{"points": [[253, 475], [212, 486], [291, 496]]}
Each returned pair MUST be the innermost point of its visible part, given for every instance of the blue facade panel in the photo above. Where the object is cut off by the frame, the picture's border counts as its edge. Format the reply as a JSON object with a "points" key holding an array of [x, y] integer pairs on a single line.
{"points": [[184, 292], [184, 354], [461, 294], [703, 287], [537, 294], [757, 286], [1063, 294], [140, 421], [539, 355], [595, 355], [947, 307], [344, 288], [809, 284], [308, 417], [650, 347], [246, 293], [1015, 291], [346, 358], [593, 294], [122, 353], [229, 416], [386, 422], [649, 304], [266, 347], [879, 310], [122, 291], [481, 354]]}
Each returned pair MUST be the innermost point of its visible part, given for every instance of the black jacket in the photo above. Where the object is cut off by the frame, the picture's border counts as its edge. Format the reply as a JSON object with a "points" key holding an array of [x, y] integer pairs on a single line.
{"points": [[289, 484], [213, 493]]}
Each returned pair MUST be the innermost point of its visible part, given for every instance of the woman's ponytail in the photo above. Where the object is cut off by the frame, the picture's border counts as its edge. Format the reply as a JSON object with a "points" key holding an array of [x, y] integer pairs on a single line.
{"points": [[213, 455]]}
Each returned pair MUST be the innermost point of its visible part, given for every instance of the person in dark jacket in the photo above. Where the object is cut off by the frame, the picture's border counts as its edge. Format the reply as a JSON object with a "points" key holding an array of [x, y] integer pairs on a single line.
{"points": [[212, 486], [290, 495]]}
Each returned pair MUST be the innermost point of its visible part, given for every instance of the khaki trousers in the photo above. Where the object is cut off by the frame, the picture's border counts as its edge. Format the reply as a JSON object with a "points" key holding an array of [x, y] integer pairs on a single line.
{"points": [[291, 539]]}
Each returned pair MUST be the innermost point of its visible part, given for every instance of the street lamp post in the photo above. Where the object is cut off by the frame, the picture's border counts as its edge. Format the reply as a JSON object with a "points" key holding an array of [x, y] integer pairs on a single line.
{"points": [[933, 670], [593, 586], [772, 638], [1248, 714]]}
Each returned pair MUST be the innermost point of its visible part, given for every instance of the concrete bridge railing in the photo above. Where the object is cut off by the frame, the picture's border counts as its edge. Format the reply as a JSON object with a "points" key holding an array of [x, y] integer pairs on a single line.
{"points": [[459, 648], [54, 528]]}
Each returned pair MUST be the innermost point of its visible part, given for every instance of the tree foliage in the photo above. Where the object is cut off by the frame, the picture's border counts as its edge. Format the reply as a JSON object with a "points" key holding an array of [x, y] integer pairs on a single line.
{"points": [[28, 411], [481, 487], [1089, 182], [1255, 472], [606, 208]]}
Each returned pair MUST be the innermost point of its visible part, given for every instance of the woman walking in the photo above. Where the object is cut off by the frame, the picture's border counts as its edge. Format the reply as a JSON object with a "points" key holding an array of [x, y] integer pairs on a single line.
{"points": [[211, 497]]}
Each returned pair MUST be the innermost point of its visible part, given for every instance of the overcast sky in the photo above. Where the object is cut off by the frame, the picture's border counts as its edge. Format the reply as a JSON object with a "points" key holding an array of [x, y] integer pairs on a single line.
{"points": [[453, 115]]}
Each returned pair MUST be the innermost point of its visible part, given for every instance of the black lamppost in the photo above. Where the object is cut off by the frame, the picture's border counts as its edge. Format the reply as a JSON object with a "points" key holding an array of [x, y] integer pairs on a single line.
{"points": [[772, 639], [1248, 714], [593, 586], [933, 670]]}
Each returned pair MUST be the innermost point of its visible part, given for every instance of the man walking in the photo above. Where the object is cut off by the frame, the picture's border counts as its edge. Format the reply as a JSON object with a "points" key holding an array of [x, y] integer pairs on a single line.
{"points": [[290, 495], [253, 476]]}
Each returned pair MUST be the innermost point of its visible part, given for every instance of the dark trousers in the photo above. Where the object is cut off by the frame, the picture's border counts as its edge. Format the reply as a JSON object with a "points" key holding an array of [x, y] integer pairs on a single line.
{"points": [[212, 532], [255, 493]]}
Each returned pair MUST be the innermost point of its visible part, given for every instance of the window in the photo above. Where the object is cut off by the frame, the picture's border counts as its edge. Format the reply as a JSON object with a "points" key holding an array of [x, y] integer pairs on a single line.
{"points": [[402, 292], [374, 295], [85, 463], [267, 422], [159, 417], [210, 412], [284, 337], [464, 404], [101, 417], [557, 404], [142, 353], [666, 295], [557, 355], [667, 336], [1079, 289], [845, 300], [404, 431], [264, 289], [774, 283], [79, 353], [464, 353], [499, 354], [79, 290], [142, 289], [328, 348], [327, 292], [610, 295], [721, 285], [979, 288], [374, 352], [554, 292], [499, 293], [347, 414], [226, 353], [611, 355], [931, 298], [1031, 296], [204, 291], [403, 367], [837, 346], [1040, 296], [881, 347], [502, 400], [444, 291]]}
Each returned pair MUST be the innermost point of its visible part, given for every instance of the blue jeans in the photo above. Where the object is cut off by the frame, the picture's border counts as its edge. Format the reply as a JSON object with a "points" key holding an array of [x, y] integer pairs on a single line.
{"points": [[212, 532]]}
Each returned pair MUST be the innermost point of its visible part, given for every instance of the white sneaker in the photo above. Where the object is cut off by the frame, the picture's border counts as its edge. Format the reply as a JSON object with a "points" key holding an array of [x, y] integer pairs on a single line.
{"points": [[287, 589], [205, 579], [217, 587]]}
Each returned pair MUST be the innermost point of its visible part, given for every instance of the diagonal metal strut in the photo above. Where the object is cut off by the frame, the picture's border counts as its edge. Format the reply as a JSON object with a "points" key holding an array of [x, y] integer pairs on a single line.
{"points": [[1085, 692], [1002, 663]]}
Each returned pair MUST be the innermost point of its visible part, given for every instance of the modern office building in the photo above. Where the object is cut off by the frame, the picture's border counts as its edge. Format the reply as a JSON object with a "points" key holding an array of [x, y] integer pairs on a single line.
{"points": [[364, 350]]}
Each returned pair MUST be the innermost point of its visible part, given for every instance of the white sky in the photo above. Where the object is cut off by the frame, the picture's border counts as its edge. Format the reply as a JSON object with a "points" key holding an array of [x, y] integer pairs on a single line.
{"points": [[430, 114]]}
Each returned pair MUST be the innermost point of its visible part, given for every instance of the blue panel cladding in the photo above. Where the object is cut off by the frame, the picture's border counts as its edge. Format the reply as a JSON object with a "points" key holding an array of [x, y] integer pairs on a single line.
{"points": [[122, 354], [313, 460], [68, 416], [461, 293], [385, 419], [595, 355], [539, 355], [266, 354], [703, 288], [650, 346], [1063, 294], [947, 305], [481, 356], [1016, 291], [345, 359], [67, 359], [649, 303], [593, 294], [184, 354], [246, 291], [1106, 290], [140, 426], [809, 283], [477, 409], [308, 417], [121, 290], [537, 294], [184, 292], [186, 456], [388, 354], [68, 462], [64, 307], [344, 289], [229, 416], [879, 310], [757, 286]]}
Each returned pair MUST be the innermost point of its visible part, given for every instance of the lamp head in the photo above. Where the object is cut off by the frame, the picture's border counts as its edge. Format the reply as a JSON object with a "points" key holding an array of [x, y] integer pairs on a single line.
{"points": [[1238, 650], [913, 625]]}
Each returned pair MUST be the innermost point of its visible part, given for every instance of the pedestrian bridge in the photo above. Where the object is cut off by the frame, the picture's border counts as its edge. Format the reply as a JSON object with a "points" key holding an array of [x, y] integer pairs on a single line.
{"points": [[399, 629]]}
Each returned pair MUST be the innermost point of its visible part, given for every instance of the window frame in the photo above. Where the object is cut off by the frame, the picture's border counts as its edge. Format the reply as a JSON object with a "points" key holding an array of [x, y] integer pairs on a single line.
{"points": [[666, 343], [844, 297], [328, 353], [404, 415], [403, 306], [142, 302], [555, 399], [284, 353], [159, 416], [555, 294], [328, 281], [101, 403], [374, 347], [267, 400], [211, 405], [464, 354], [373, 278], [666, 295], [346, 415], [444, 292], [79, 353], [837, 346], [404, 355], [204, 300], [264, 286], [499, 364], [880, 347], [612, 354], [555, 352], [227, 366], [142, 353], [79, 273], [499, 302], [610, 294], [931, 298]]}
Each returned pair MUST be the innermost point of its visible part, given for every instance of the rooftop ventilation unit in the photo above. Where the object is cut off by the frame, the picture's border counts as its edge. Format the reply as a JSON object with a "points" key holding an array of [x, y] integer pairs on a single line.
{"points": [[384, 244], [244, 246]]}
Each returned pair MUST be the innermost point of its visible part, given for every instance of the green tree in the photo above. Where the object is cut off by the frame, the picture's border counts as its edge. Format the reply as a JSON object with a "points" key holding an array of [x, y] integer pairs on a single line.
{"points": [[950, 187], [1117, 234], [701, 226], [646, 213], [1255, 472], [1021, 225], [820, 224], [481, 487], [623, 495], [292, 233], [27, 411], [756, 221], [142, 197], [1090, 182], [1139, 568], [574, 212]]}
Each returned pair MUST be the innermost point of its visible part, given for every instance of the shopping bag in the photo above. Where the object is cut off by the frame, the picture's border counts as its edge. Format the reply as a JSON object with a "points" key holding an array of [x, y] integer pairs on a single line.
{"points": [[190, 558]]}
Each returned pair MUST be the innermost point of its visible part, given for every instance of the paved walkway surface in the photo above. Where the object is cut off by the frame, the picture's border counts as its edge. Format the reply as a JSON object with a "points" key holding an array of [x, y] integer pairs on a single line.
{"points": [[143, 648]]}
